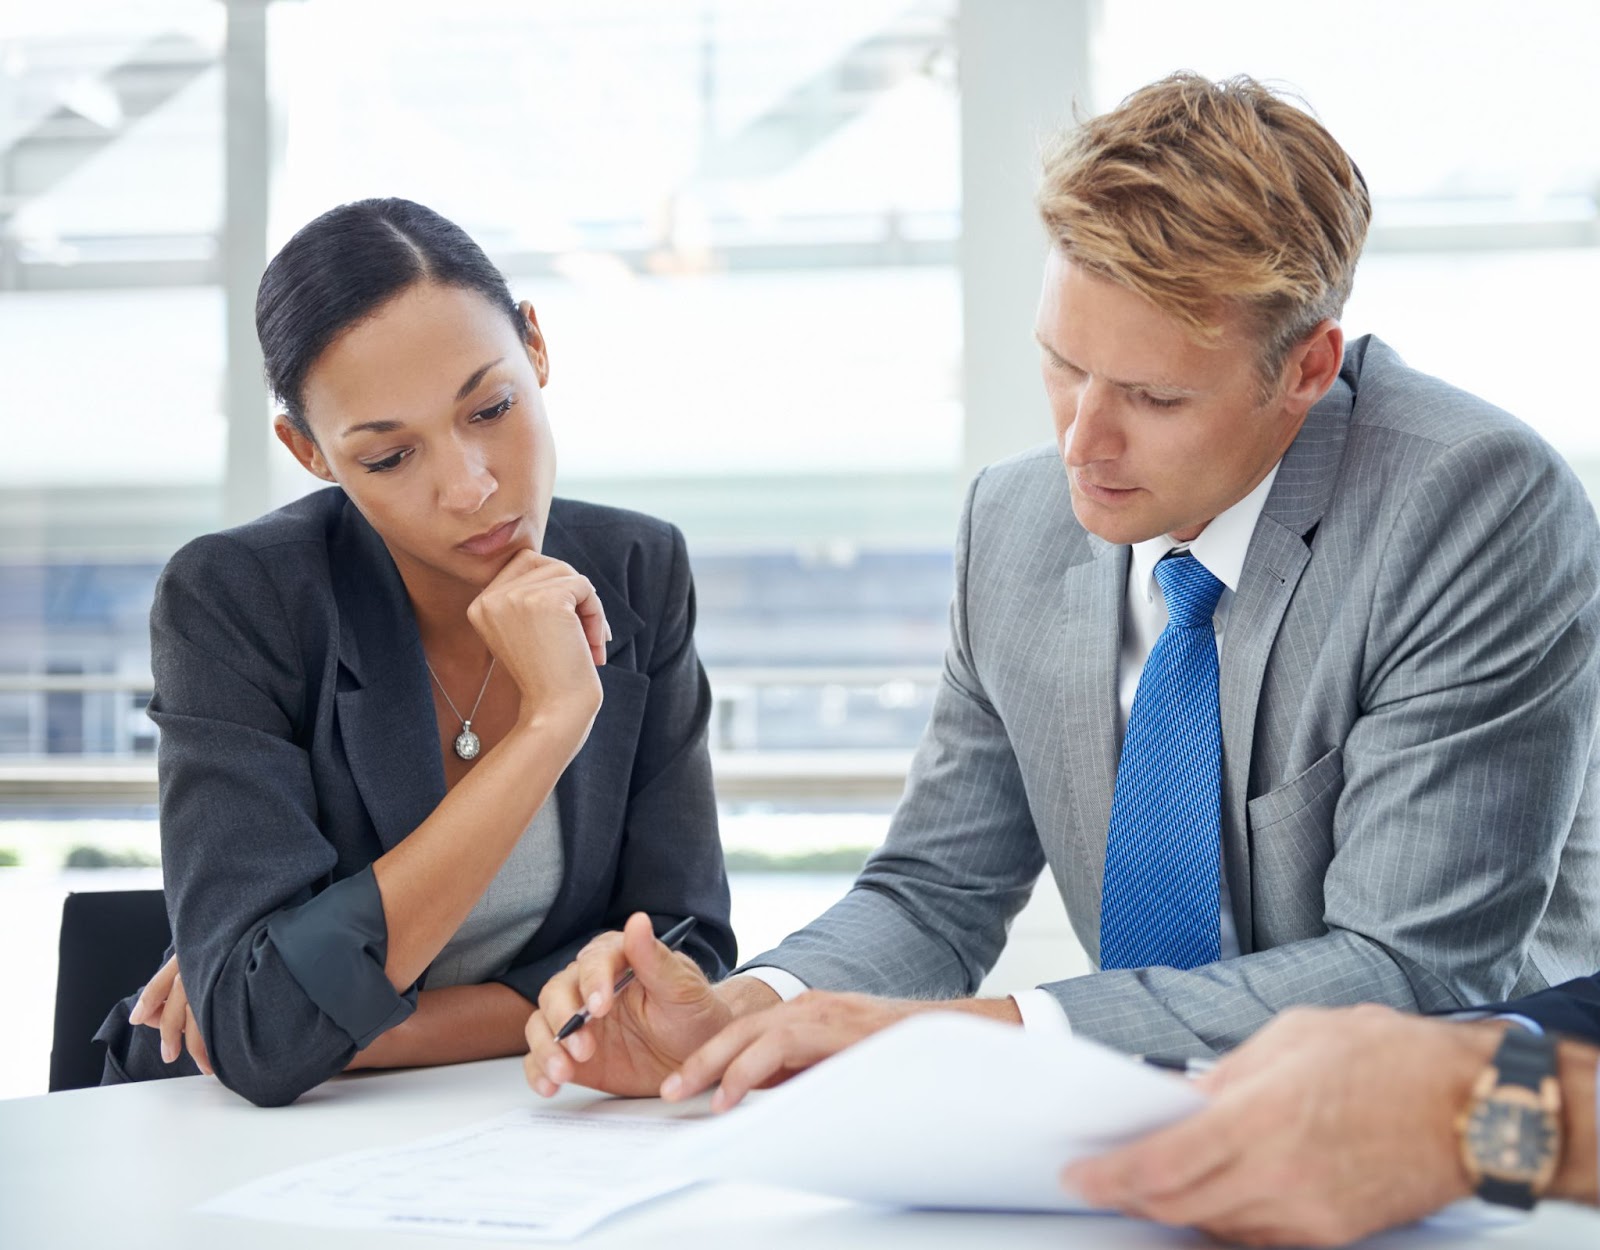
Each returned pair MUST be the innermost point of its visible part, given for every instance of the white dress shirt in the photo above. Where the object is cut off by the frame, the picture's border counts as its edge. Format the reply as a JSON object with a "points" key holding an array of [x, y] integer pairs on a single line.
{"points": [[1221, 547]]}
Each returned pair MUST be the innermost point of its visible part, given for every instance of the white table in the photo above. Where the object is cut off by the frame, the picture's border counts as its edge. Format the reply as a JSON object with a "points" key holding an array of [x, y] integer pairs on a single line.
{"points": [[123, 1167]]}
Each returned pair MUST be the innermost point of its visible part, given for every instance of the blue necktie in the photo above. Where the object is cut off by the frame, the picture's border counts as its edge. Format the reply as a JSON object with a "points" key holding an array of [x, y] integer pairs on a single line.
{"points": [[1159, 901]]}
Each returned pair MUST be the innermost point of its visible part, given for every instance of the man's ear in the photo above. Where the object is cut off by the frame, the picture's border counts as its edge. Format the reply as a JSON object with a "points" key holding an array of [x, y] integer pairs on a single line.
{"points": [[533, 337], [302, 447], [1313, 366]]}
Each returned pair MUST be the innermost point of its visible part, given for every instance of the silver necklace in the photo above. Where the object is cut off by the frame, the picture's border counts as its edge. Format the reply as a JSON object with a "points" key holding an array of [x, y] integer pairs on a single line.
{"points": [[467, 743]]}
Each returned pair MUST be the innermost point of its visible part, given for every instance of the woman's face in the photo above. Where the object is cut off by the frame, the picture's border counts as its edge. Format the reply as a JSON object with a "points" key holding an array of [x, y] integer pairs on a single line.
{"points": [[429, 415]]}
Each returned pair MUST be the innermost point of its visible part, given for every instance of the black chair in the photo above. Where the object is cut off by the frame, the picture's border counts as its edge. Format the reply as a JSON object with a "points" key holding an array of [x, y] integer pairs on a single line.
{"points": [[111, 943]]}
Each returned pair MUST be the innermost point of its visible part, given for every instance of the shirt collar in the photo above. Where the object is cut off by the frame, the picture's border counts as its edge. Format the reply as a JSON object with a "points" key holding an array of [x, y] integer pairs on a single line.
{"points": [[1221, 546]]}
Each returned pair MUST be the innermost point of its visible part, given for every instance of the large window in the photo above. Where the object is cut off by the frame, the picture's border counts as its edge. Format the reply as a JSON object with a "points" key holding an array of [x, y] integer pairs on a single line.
{"points": [[1475, 126], [739, 222]]}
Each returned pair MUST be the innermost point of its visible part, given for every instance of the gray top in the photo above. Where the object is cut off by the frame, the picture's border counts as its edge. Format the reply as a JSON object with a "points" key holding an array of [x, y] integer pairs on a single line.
{"points": [[511, 910]]}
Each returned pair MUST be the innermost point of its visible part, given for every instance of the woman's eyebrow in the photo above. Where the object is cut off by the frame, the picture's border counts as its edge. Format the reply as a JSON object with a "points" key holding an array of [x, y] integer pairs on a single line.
{"points": [[388, 426], [471, 383], [377, 427]]}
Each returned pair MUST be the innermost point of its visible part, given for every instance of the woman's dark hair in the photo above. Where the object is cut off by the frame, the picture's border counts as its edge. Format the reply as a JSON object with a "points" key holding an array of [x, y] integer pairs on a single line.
{"points": [[345, 266]]}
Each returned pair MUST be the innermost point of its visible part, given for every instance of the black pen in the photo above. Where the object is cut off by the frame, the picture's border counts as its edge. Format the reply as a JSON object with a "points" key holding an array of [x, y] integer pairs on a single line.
{"points": [[1184, 1067], [672, 939]]}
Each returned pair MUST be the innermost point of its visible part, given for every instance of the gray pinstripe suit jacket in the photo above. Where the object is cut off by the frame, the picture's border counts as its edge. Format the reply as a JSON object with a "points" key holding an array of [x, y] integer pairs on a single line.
{"points": [[1409, 707]]}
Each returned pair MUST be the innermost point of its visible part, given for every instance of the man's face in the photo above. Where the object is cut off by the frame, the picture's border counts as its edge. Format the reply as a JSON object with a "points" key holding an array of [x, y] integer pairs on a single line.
{"points": [[1159, 434]]}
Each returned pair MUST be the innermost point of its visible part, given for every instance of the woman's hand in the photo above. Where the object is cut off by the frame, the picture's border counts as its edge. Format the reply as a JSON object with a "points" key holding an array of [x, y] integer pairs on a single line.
{"points": [[546, 626], [164, 1005]]}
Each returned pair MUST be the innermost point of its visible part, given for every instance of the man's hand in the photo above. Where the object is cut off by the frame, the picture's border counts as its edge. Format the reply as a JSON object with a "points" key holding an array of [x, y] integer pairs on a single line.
{"points": [[770, 1046], [1326, 1126], [631, 1042], [164, 1005]]}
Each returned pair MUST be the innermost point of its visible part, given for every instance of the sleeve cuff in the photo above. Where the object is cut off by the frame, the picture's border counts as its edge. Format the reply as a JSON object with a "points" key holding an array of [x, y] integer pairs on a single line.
{"points": [[1042, 1013], [785, 984], [335, 946], [1472, 1015]]}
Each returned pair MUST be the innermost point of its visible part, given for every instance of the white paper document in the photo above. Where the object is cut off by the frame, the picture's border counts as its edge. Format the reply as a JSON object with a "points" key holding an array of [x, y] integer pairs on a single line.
{"points": [[527, 1175], [942, 1110]]}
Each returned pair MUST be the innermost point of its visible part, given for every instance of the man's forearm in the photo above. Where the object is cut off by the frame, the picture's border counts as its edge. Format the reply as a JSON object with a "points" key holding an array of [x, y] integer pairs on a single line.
{"points": [[1578, 1177], [1217, 1007], [453, 1025], [1002, 1009]]}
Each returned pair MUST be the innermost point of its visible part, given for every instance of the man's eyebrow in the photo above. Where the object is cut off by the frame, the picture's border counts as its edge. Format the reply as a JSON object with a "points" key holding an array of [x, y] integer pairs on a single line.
{"points": [[1055, 356], [471, 384], [390, 426], [1152, 385]]}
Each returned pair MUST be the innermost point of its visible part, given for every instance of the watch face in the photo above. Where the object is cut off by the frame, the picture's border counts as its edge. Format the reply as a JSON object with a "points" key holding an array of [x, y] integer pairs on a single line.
{"points": [[1510, 1140]]}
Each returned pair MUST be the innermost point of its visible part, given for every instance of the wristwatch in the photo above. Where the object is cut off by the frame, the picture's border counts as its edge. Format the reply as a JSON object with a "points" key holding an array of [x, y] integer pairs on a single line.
{"points": [[1511, 1127]]}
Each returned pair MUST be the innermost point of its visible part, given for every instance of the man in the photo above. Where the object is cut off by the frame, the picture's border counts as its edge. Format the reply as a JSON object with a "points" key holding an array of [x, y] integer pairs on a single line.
{"points": [[1328, 1126], [1290, 678]]}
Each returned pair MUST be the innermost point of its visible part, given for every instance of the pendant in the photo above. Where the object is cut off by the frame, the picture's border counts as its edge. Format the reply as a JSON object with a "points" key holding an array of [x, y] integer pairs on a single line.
{"points": [[467, 744]]}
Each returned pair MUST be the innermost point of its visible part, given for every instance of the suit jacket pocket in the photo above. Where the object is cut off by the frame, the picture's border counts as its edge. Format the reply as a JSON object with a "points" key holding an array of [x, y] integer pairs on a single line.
{"points": [[1291, 845]]}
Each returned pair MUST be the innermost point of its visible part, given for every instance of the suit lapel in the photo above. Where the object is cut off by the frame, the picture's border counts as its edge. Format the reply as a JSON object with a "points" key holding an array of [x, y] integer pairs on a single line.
{"points": [[385, 708], [1277, 557], [1272, 570], [1093, 596], [592, 794], [561, 543]]}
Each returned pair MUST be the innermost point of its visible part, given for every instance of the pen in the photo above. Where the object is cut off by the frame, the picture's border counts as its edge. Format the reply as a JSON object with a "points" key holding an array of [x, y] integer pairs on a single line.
{"points": [[672, 940], [1184, 1067]]}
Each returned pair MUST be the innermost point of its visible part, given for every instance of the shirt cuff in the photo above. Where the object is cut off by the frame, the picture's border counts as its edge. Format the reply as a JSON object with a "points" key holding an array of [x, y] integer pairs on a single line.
{"points": [[1042, 1013], [784, 984], [1471, 1017], [335, 946]]}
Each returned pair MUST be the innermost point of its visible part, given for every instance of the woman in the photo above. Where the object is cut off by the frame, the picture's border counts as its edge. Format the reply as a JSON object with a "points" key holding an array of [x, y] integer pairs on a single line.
{"points": [[425, 733]]}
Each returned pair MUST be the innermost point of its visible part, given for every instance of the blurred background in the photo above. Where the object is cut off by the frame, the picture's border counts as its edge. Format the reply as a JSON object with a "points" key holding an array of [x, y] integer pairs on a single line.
{"points": [[785, 258]]}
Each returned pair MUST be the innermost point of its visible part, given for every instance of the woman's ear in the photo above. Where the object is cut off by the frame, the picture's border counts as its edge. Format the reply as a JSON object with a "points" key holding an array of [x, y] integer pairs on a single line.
{"points": [[538, 352], [302, 447]]}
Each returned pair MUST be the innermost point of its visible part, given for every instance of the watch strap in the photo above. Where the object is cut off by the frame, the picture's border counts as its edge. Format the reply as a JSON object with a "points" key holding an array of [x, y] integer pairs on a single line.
{"points": [[1516, 1194], [1524, 1059]]}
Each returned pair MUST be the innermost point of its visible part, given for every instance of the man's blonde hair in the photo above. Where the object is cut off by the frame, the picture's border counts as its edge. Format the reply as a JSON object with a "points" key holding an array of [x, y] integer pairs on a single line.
{"points": [[1210, 197]]}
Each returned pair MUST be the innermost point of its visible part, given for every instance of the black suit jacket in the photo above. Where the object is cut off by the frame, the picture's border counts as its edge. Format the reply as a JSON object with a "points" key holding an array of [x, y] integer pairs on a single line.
{"points": [[1572, 1008], [299, 743]]}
